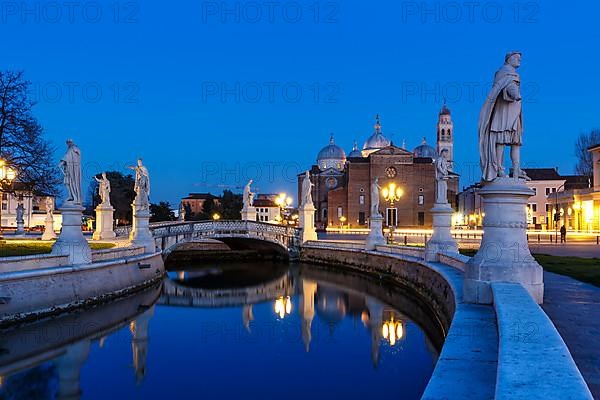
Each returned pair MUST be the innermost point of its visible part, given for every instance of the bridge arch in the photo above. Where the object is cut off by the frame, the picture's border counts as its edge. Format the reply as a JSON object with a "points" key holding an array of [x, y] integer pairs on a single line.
{"points": [[168, 236]]}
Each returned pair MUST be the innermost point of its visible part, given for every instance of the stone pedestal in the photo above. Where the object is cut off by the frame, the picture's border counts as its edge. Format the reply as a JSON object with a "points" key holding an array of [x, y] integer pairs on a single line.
{"points": [[441, 240], [71, 241], [306, 221], [504, 254], [140, 232], [375, 236], [20, 228], [249, 214], [49, 233], [104, 222]]}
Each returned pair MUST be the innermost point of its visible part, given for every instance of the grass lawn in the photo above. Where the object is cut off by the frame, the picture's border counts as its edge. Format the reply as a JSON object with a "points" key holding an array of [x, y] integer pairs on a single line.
{"points": [[582, 269], [11, 248]]}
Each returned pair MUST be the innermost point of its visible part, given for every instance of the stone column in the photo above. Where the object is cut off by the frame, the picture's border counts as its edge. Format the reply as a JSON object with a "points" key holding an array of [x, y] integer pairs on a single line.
{"points": [[249, 214], [71, 241], [49, 233], [306, 222], [104, 222], [139, 343], [441, 239], [504, 254], [140, 232], [375, 236]]}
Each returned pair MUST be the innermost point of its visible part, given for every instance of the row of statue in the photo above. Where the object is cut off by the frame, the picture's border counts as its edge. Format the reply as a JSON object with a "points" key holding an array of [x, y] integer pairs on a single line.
{"points": [[306, 196], [70, 166]]}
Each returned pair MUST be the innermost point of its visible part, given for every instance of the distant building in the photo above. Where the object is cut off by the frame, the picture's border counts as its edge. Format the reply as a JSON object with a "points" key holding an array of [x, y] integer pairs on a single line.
{"points": [[266, 209], [194, 202], [34, 204], [342, 184], [579, 206], [546, 183]]}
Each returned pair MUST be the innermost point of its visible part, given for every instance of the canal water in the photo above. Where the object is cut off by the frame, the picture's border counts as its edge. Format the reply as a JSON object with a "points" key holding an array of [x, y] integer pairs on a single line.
{"points": [[263, 330]]}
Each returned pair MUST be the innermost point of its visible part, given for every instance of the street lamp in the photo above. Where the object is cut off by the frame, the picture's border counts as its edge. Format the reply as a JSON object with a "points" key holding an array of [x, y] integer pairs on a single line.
{"points": [[392, 193], [392, 330], [216, 217], [283, 201], [283, 306], [342, 220], [7, 176]]}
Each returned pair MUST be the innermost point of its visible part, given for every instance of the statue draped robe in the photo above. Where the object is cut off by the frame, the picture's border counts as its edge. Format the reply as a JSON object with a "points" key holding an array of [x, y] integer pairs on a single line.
{"points": [[71, 164], [500, 120]]}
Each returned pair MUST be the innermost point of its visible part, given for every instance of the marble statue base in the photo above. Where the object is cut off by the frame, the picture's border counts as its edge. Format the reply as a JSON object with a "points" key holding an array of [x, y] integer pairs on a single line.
{"points": [[375, 236], [249, 214], [49, 233], [104, 222], [441, 239], [70, 241], [306, 221], [504, 254], [140, 232]]}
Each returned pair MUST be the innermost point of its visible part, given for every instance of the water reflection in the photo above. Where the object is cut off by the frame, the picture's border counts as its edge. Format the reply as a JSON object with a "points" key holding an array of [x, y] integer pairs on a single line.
{"points": [[205, 324]]}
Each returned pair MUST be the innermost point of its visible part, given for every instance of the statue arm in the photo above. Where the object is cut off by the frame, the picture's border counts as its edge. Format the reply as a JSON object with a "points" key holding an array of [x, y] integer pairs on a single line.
{"points": [[512, 92]]}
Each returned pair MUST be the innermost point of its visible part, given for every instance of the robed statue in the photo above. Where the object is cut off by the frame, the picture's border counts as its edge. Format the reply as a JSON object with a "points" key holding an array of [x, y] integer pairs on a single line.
{"points": [[375, 190], [442, 167], [501, 122], [248, 196], [20, 213], [104, 188], [49, 206], [181, 211], [307, 186], [142, 186], [70, 166]]}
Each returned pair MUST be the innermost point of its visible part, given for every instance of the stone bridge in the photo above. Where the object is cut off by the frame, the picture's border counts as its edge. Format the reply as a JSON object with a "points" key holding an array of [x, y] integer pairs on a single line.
{"points": [[245, 234]]}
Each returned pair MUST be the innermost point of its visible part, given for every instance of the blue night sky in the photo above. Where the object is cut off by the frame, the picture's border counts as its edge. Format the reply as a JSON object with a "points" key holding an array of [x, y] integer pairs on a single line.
{"points": [[168, 71]]}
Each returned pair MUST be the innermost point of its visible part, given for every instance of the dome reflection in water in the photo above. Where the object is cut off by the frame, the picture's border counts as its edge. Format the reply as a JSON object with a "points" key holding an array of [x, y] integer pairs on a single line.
{"points": [[251, 330]]}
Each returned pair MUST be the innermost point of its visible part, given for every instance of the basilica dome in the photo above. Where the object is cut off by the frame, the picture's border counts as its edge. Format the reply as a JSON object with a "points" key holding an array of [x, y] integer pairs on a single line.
{"points": [[425, 151], [355, 152], [331, 156], [376, 141]]}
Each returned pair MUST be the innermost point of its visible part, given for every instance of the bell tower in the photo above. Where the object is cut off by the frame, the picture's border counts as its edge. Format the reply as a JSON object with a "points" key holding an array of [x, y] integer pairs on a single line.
{"points": [[445, 133]]}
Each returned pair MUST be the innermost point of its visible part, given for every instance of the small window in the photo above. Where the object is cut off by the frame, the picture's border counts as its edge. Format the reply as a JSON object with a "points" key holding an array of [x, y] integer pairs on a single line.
{"points": [[547, 191], [534, 191], [421, 200], [340, 212], [534, 207], [420, 190], [361, 199]]}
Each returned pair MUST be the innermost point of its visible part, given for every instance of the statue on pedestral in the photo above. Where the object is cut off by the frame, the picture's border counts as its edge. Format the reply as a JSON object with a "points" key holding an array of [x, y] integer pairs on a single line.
{"points": [[49, 206], [307, 186], [248, 196], [182, 211], [375, 190], [142, 186], [104, 189], [70, 166], [20, 213], [442, 167], [501, 122]]}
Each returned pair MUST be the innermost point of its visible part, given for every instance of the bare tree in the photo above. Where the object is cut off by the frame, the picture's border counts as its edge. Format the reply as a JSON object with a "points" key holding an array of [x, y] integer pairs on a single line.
{"points": [[586, 140], [21, 136]]}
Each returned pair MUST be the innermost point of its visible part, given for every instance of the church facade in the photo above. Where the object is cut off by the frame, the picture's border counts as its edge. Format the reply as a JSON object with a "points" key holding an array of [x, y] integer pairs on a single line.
{"points": [[342, 184]]}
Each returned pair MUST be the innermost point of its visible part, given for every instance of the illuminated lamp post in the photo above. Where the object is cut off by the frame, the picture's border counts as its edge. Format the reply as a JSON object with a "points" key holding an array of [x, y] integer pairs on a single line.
{"points": [[7, 176]]}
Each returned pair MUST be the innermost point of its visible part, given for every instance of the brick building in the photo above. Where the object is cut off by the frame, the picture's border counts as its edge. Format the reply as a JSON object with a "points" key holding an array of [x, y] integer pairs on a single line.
{"points": [[343, 184]]}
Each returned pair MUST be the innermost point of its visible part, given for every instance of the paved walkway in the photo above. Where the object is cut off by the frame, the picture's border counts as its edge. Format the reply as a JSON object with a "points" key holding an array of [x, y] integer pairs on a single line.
{"points": [[574, 308]]}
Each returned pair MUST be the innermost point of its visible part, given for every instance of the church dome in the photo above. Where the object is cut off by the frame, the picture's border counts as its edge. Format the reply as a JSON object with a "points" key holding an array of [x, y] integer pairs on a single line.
{"points": [[355, 152], [425, 151], [376, 141], [331, 156]]}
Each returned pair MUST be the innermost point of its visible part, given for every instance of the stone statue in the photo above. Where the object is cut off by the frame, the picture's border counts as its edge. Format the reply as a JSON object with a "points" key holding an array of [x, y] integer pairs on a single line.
{"points": [[49, 206], [70, 166], [142, 186], [441, 177], [20, 213], [501, 122], [307, 186], [248, 196], [104, 188], [375, 190], [182, 211]]}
